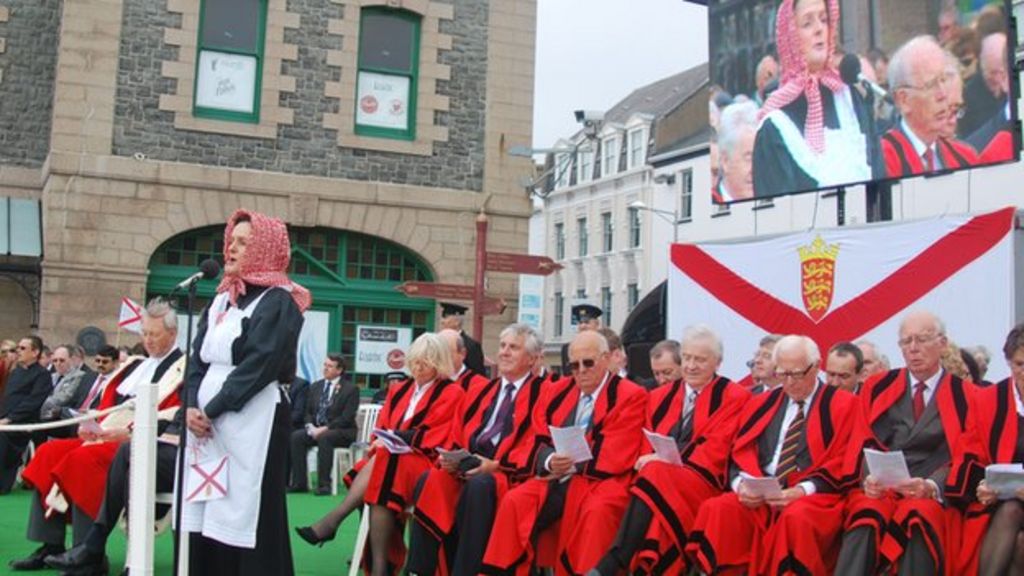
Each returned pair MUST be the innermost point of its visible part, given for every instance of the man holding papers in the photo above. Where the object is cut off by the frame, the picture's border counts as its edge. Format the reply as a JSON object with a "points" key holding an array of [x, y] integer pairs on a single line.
{"points": [[784, 513], [992, 541], [699, 414], [456, 502], [587, 497], [923, 411]]}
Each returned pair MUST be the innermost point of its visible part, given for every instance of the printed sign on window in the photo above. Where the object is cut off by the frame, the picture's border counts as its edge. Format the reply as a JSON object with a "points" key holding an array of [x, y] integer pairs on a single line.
{"points": [[381, 349], [226, 82], [383, 101]]}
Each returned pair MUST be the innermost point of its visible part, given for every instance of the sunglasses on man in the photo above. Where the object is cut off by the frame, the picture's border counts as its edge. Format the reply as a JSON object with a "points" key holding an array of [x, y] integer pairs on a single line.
{"points": [[587, 363]]}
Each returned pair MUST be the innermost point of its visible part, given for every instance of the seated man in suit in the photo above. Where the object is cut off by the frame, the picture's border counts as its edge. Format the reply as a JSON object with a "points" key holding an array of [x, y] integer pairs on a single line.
{"points": [[921, 410], [27, 387], [587, 497], [798, 434], [330, 423], [70, 391], [465, 376]]}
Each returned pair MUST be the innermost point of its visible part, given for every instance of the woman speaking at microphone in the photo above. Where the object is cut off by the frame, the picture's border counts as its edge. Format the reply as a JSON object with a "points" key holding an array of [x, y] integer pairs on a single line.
{"points": [[234, 498], [815, 130]]}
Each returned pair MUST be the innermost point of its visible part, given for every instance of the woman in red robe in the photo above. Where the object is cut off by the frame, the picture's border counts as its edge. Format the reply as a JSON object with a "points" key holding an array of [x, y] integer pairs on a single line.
{"points": [[993, 531], [419, 411]]}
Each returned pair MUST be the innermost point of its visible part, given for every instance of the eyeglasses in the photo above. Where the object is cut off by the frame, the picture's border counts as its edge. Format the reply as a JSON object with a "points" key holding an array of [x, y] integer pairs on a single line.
{"points": [[793, 375], [940, 81], [920, 340], [587, 363], [20, 348], [6, 350], [959, 112]]}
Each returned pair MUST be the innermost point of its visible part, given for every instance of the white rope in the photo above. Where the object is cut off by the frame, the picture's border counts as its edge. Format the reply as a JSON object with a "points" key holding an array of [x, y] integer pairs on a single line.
{"points": [[91, 415]]}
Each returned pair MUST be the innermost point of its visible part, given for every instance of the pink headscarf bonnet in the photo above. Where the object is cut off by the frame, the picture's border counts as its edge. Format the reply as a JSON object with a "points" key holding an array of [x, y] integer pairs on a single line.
{"points": [[796, 80], [267, 256]]}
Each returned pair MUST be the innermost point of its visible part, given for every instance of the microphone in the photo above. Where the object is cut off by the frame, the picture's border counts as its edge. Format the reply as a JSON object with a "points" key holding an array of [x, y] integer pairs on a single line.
{"points": [[850, 72], [207, 269]]}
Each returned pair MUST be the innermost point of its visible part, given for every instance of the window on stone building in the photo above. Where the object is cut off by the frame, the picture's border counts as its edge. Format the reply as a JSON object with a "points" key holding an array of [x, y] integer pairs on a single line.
{"points": [[606, 304], [559, 241], [559, 313], [637, 148], [686, 195], [634, 228], [563, 164], [389, 47], [609, 156], [581, 230], [586, 166], [607, 231], [632, 295], [230, 54]]}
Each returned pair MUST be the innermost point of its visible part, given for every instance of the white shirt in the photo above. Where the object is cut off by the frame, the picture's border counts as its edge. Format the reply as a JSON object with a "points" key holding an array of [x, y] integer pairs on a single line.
{"points": [[330, 387], [142, 375], [920, 147], [929, 386], [1016, 397], [787, 419], [417, 394], [462, 368], [518, 385]]}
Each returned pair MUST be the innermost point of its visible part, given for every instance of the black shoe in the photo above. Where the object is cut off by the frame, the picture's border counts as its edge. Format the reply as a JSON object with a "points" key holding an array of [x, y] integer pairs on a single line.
{"points": [[297, 489], [101, 568], [34, 561], [309, 535], [323, 491], [77, 557]]}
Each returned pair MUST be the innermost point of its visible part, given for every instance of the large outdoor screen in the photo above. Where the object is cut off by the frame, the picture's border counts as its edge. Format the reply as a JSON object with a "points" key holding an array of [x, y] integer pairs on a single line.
{"points": [[818, 94]]}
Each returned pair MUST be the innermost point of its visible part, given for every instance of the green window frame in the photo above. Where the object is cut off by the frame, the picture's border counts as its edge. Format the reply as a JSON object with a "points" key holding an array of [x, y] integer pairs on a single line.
{"points": [[384, 76], [214, 51]]}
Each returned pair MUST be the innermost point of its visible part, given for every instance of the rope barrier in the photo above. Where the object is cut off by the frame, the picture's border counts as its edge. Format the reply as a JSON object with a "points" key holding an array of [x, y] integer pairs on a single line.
{"points": [[91, 415]]}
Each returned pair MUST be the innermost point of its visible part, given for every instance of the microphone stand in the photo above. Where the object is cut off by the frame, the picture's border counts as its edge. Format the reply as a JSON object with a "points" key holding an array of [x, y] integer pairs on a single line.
{"points": [[180, 547]]}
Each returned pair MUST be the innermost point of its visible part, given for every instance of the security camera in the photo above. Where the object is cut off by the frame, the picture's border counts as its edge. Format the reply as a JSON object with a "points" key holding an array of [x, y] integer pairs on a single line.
{"points": [[589, 116]]}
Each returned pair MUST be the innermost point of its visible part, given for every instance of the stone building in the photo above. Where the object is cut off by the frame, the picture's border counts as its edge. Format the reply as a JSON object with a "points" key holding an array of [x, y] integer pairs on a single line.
{"points": [[375, 128]]}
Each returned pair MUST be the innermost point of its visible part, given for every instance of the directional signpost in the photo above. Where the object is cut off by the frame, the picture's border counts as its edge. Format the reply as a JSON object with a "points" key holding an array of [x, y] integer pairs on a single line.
{"points": [[483, 305]]}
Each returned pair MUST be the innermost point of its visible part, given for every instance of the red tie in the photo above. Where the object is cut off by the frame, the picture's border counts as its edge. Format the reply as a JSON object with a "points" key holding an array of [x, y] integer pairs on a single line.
{"points": [[918, 400], [92, 393], [929, 160]]}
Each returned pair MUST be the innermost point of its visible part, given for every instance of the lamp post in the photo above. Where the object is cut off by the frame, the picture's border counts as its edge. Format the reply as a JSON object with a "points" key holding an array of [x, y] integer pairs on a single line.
{"points": [[670, 217]]}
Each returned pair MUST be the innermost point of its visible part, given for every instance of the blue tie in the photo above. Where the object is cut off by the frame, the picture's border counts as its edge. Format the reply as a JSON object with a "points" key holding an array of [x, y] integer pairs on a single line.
{"points": [[585, 411]]}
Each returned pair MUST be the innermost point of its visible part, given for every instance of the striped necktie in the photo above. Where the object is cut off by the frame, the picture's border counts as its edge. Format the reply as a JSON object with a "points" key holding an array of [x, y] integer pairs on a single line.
{"points": [[584, 411], [787, 459]]}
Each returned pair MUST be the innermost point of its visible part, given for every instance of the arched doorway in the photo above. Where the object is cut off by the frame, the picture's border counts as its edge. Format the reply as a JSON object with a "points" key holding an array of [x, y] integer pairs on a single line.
{"points": [[352, 277]]}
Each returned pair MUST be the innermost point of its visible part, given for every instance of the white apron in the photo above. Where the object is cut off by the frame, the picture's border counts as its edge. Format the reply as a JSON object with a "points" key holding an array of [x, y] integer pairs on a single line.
{"points": [[244, 435]]}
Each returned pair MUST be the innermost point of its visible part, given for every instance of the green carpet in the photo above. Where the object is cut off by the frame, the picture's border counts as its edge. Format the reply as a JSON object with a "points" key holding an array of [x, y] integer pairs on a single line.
{"points": [[303, 509]]}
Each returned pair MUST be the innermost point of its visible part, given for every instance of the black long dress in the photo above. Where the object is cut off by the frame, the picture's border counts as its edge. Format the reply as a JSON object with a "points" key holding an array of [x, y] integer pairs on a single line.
{"points": [[263, 353]]}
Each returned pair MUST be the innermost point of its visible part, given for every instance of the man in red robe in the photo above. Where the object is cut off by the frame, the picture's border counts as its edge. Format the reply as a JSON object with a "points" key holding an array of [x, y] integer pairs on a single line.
{"points": [[919, 75], [700, 412], [798, 434], [78, 467], [586, 498], [923, 411], [465, 376], [456, 502]]}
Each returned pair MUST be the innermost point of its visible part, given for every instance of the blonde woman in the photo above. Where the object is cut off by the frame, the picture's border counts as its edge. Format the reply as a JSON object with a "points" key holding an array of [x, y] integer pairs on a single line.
{"points": [[417, 410]]}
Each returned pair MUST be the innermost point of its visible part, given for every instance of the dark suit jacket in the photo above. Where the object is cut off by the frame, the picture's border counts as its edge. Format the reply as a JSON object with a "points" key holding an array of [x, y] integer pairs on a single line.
{"points": [[341, 414], [298, 393], [25, 392], [474, 354], [981, 137]]}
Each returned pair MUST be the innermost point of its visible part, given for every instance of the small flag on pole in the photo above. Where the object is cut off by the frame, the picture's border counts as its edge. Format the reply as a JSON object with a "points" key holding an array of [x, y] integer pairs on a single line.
{"points": [[131, 316]]}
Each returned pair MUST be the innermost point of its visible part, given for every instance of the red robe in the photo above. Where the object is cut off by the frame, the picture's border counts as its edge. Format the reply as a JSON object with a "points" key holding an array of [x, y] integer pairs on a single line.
{"points": [[394, 475], [469, 378], [595, 498], [435, 508], [991, 439], [803, 537], [674, 493], [892, 517], [1000, 149], [80, 468], [902, 160]]}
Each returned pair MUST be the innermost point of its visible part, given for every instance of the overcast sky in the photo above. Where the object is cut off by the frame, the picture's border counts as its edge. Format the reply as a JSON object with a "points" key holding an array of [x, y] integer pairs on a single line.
{"points": [[593, 53]]}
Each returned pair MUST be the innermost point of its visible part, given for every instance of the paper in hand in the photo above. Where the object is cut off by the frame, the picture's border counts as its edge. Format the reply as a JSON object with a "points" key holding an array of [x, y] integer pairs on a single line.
{"points": [[572, 442], [765, 487], [1005, 479], [392, 442], [90, 426], [664, 446], [889, 468]]}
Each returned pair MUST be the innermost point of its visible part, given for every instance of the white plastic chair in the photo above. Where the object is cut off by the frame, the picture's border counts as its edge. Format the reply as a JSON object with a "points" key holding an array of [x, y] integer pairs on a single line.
{"points": [[346, 458]]}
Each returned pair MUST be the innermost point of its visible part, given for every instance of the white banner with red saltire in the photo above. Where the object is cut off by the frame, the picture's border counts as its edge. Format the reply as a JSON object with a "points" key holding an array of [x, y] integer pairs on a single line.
{"points": [[130, 317], [851, 283]]}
